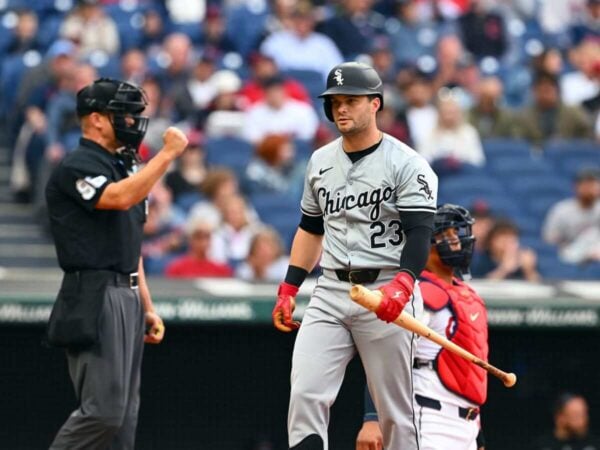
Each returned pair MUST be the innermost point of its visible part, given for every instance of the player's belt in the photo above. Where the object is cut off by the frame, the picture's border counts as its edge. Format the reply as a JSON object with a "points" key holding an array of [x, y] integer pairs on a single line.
{"points": [[129, 280], [420, 363], [357, 276], [464, 413]]}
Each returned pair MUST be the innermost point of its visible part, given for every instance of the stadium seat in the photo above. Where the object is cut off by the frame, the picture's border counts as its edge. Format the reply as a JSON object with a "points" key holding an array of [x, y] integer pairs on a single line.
{"points": [[310, 79], [569, 157], [229, 151], [518, 165], [245, 24], [507, 147], [552, 268]]}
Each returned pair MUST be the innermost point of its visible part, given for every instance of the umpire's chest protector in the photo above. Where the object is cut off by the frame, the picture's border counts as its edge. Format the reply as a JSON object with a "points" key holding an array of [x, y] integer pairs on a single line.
{"points": [[360, 201], [468, 328]]}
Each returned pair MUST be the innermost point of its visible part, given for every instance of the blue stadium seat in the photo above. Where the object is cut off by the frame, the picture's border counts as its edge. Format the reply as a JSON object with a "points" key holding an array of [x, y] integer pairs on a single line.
{"points": [[521, 165], [498, 146], [552, 268], [541, 204], [229, 151], [310, 79], [245, 26], [540, 185], [304, 149], [11, 73], [571, 156], [278, 211]]}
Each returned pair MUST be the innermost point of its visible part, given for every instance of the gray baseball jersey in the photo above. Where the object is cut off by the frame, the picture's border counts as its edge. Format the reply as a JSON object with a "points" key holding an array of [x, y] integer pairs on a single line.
{"points": [[360, 201]]}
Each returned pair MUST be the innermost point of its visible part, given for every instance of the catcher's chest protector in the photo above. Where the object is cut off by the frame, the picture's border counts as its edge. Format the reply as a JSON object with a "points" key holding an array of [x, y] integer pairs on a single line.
{"points": [[467, 328]]}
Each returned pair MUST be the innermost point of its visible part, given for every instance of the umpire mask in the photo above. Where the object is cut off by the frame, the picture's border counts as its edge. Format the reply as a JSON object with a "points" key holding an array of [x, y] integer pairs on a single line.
{"points": [[459, 218], [125, 102]]}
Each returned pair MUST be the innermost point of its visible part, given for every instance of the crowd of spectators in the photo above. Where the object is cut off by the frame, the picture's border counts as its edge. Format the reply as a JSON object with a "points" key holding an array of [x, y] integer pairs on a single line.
{"points": [[243, 75]]}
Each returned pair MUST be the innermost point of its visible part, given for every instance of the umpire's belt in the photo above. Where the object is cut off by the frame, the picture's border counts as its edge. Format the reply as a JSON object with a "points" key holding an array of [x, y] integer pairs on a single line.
{"points": [[129, 280], [464, 413], [357, 276]]}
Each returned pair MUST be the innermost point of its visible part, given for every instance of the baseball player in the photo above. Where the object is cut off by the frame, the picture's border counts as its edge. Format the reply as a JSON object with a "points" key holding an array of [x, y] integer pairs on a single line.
{"points": [[96, 202], [448, 390], [367, 212]]}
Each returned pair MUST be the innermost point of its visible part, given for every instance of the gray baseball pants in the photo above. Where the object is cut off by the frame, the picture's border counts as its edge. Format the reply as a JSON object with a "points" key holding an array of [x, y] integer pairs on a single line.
{"points": [[333, 329], [106, 379]]}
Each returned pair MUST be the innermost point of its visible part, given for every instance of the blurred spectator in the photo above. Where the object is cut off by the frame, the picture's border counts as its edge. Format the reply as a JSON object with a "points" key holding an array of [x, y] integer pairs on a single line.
{"points": [[224, 116], [573, 224], [488, 116], [550, 60], [174, 62], [421, 114], [160, 118], [588, 27], [90, 27], [191, 96], [410, 36], [231, 240], [189, 172], [484, 221], [163, 230], [185, 11], [279, 114], [483, 31], [571, 426], [134, 67], [197, 263], [24, 34], [219, 185], [548, 118], [453, 141], [153, 32], [582, 84], [393, 123], [296, 47], [353, 28], [63, 130], [266, 261], [263, 67], [214, 39], [449, 53], [503, 256], [273, 167], [382, 59]]}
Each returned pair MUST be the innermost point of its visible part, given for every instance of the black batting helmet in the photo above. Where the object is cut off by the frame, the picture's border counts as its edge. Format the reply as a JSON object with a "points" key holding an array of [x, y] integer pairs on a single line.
{"points": [[351, 78], [455, 216], [121, 99]]}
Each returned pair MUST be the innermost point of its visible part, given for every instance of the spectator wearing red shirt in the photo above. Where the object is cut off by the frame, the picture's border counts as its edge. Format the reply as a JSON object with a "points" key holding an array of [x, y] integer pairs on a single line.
{"points": [[196, 263], [263, 68]]}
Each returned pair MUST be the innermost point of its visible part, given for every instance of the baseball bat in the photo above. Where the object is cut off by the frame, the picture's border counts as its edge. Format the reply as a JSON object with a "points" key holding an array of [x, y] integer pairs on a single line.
{"points": [[371, 299]]}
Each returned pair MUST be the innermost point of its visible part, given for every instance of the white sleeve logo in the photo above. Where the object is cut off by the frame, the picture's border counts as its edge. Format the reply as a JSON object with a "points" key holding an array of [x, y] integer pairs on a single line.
{"points": [[87, 186]]}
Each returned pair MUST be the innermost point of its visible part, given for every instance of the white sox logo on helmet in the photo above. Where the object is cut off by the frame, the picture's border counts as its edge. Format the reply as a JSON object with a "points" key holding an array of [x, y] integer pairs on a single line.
{"points": [[338, 77]]}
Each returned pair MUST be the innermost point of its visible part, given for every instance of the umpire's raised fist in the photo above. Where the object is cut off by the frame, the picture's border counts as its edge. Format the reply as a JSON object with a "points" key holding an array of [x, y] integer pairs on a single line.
{"points": [[175, 142]]}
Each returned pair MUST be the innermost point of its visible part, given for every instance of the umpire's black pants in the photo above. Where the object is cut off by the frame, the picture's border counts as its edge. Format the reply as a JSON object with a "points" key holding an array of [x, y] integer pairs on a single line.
{"points": [[106, 379]]}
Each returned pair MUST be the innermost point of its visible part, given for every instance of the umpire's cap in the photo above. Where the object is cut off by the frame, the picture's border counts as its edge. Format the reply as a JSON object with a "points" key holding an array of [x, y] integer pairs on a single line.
{"points": [[352, 78]]}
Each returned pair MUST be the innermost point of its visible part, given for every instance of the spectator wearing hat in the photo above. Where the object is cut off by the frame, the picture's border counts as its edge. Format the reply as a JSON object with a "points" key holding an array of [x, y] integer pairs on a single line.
{"points": [[548, 117], [573, 224], [90, 27], [263, 67], [300, 46], [213, 38], [279, 114], [197, 262]]}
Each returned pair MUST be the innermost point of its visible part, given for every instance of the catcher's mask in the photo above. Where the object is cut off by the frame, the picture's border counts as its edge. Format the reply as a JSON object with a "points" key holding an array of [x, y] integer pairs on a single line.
{"points": [[351, 78], [454, 216], [125, 103]]}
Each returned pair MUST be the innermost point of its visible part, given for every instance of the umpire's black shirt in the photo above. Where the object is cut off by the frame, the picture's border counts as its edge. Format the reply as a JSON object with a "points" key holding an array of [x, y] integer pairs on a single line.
{"points": [[85, 237]]}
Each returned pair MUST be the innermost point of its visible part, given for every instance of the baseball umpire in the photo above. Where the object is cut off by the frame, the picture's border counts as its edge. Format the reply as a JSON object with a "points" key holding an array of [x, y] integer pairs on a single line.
{"points": [[97, 207], [367, 211], [448, 390]]}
